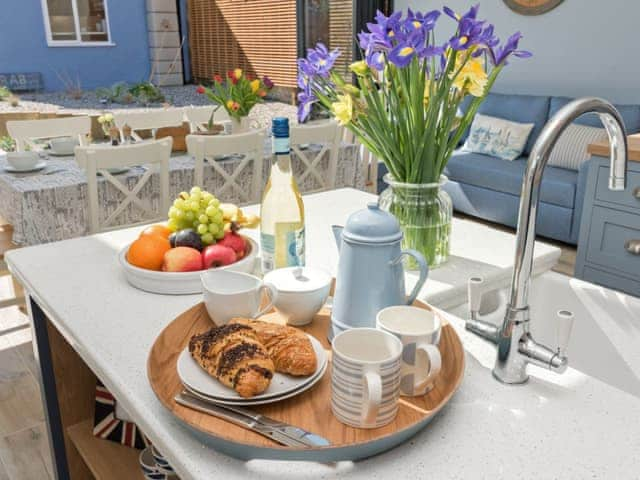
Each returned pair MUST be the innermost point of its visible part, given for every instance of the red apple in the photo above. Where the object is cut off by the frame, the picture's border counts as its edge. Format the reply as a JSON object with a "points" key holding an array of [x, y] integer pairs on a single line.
{"points": [[182, 259], [234, 241], [218, 256]]}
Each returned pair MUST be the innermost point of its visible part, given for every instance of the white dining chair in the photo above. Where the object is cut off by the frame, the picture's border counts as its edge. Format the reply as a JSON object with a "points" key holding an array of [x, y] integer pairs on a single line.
{"points": [[148, 120], [198, 117], [25, 131], [153, 155], [328, 135], [366, 160], [249, 144]]}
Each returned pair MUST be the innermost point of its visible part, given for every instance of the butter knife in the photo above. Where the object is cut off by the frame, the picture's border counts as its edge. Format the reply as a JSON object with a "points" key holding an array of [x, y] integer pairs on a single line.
{"points": [[189, 401]]}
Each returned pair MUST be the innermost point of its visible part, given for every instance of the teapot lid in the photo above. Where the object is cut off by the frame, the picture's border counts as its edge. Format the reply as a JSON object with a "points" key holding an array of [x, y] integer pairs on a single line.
{"points": [[372, 225]]}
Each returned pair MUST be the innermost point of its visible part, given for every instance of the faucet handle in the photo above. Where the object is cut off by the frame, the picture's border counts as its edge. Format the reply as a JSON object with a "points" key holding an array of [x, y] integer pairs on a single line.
{"points": [[565, 324], [475, 288]]}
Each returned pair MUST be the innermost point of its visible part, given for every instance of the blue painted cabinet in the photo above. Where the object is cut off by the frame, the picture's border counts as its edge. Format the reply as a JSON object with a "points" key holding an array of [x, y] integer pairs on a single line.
{"points": [[610, 226]]}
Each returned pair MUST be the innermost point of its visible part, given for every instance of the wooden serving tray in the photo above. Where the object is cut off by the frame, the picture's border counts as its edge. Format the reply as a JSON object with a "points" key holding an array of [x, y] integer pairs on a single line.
{"points": [[310, 410]]}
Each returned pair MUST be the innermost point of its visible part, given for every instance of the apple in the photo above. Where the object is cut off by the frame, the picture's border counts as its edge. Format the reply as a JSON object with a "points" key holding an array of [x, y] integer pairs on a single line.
{"points": [[218, 256], [182, 259], [234, 241]]}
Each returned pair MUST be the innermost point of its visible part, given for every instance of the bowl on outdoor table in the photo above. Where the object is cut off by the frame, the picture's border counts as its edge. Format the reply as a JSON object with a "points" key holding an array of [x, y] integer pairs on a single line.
{"points": [[22, 160], [63, 145]]}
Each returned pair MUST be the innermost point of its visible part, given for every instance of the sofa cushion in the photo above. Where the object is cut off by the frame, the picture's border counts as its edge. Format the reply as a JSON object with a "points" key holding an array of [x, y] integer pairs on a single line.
{"points": [[630, 114], [517, 108], [558, 184]]}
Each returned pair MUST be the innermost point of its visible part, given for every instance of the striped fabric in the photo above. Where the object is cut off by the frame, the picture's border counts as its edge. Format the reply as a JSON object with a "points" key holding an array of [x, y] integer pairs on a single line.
{"points": [[571, 149]]}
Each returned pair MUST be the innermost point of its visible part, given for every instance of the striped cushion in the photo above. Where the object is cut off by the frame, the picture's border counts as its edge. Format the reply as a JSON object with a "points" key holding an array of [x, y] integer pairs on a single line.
{"points": [[571, 149]]}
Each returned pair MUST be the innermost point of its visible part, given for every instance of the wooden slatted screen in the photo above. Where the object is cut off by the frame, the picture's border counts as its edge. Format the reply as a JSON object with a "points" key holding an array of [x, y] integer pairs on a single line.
{"points": [[258, 36], [341, 32]]}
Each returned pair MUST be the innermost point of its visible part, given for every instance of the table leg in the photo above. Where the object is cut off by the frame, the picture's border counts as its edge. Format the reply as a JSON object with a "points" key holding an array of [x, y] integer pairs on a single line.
{"points": [[42, 353]]}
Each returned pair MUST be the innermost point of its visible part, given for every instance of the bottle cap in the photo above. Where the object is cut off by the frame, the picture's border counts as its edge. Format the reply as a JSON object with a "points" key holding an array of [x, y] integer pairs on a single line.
{"points": [[280, 127]]}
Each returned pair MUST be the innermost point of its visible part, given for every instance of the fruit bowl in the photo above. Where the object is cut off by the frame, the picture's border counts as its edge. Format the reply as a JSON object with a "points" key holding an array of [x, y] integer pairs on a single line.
{"points": [[181, 283]]}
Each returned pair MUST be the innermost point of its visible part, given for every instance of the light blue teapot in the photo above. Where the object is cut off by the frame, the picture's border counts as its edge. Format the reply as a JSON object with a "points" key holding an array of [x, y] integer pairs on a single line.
{"points": [[370, 271]]}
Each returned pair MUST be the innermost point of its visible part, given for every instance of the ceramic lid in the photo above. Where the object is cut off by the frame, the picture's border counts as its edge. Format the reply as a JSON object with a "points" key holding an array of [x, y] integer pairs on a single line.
{"points": [[298, 279], [372, 225]]}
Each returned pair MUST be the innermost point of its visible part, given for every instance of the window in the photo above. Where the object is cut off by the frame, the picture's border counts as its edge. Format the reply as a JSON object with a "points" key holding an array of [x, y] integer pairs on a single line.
{"points": [[76, 22]]}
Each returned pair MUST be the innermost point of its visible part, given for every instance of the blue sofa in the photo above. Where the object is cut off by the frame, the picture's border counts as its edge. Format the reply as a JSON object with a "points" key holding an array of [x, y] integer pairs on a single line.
{"points": [[489, 188]]}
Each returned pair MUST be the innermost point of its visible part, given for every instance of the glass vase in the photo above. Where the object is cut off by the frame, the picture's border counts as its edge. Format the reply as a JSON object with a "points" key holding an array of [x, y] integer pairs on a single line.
{"points": [[424, 211]]}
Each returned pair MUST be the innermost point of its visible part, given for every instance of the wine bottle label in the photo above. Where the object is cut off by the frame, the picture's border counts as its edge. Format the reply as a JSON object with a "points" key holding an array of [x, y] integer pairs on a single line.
{"points": [[284, 249]]}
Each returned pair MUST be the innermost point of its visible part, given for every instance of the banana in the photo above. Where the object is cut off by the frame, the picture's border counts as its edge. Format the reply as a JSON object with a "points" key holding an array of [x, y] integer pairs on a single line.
{"points": [[235, 218]]}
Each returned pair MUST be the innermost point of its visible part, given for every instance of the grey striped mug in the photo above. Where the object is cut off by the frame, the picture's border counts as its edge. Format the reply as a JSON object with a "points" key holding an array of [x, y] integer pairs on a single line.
{"points": [[419, 331], [365, 377]]}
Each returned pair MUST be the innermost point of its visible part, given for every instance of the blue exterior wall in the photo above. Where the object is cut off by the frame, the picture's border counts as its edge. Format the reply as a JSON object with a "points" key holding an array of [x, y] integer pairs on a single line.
{"points": [[23, 47], [582, 48]]}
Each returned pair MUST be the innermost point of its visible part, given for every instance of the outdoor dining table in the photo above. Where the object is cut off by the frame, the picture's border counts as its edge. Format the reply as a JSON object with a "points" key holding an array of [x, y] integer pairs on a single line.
{"points": [[94, 324], [51, 204]]}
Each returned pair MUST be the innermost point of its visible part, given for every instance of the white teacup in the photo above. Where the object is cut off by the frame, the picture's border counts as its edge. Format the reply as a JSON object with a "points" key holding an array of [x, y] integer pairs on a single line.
{"points": [[23, 160], [419, 331], [233, 294], [63, 145], [365, 377]]}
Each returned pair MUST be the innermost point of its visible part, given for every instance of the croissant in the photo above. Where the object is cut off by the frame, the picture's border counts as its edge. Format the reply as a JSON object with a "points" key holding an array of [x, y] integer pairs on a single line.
{"points": [[234, 355], [289, 348]]}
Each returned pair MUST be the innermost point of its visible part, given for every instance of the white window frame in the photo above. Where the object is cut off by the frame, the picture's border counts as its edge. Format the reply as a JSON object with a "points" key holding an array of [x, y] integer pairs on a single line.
{"points": [[76, 21]]}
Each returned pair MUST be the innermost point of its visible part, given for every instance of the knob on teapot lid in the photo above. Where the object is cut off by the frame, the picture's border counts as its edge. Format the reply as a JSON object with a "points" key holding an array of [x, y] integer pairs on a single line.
{"points": [[372, 225]]}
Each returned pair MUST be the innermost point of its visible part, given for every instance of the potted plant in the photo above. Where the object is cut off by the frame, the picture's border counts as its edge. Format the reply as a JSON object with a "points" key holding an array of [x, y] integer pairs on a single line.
{"points": [[405, 107], [237, 94]]}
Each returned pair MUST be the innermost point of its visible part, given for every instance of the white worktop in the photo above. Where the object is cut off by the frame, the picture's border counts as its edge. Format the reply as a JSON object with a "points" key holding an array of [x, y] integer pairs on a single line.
{"points": [[568, 426]]}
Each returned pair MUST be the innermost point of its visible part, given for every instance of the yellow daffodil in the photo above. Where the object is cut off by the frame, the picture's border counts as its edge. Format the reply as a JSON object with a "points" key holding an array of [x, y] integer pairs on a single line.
{"points": [[359, 68], [343, 109], [350, 89], [108, 117], [472, 78], [101, 119], [255, 85], [237, 73]]}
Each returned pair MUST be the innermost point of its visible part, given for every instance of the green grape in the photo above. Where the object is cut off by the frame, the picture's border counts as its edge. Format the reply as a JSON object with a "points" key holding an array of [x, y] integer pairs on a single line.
{"points": [[213, 228], [195, 224], [220, 234], [178, 203], [180, 214], [189, 216], [207, 197], [172, 225], [211, 211], [195, 190], [173, 212], [215, 202], [202, 229], [203, 218], [207, 239], [218, 217], [183, 195], [194, 206]]}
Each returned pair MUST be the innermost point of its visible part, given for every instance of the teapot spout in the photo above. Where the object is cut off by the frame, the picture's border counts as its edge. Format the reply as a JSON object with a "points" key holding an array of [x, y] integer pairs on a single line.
{"points": [[337, 233]]}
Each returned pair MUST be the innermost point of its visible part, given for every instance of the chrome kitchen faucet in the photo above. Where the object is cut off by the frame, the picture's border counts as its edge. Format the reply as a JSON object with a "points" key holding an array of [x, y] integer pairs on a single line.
{"points": [[516, 346]]}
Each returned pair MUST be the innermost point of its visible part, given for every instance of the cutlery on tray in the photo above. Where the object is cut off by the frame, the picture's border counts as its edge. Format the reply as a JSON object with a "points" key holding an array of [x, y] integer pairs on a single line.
{"points": [[280, 432]]}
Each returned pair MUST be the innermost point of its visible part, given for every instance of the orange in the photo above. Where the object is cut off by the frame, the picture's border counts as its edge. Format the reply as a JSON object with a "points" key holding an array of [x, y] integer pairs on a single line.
{"points": [[158, 230], [148, 252]]}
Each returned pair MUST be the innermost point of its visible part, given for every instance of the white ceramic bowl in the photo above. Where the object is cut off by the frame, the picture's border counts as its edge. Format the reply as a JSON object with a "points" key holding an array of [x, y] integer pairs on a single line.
{"points": [[23, 160], [299, 297], [180, 283], [63, 145]]}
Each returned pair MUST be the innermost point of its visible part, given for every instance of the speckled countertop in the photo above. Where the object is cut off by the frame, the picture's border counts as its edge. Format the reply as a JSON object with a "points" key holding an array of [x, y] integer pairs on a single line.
{"points": [[568, 426]]}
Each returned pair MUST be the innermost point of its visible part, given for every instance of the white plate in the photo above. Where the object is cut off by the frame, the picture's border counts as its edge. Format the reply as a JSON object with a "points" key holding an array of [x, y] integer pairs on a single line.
{"points": [[179, 283], [37, 167], [53, 153], [248, 402], [116, 171], [197, 379]]}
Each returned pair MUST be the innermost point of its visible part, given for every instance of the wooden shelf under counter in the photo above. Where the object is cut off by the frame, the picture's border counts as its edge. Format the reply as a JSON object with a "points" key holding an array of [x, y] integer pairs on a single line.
{"points": [[601, 149], [106, 460]]}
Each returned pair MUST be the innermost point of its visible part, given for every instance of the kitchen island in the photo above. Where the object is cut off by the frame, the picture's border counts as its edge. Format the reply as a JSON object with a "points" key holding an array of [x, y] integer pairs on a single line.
{"points": [[89, 322]]}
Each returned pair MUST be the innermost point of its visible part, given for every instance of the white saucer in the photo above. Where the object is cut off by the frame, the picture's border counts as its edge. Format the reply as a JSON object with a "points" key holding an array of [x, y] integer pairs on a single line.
{"points": [[116, 171], [197, 380], [37, 167], [59, 154]]}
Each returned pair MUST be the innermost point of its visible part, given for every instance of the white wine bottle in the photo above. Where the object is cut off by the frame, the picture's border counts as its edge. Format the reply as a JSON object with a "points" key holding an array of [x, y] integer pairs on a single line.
{"points": [[282, 211]]}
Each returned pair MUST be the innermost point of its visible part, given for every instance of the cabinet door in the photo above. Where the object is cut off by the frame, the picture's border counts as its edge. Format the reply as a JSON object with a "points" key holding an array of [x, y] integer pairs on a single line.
{"points": [[610, 229], [631, 195]]}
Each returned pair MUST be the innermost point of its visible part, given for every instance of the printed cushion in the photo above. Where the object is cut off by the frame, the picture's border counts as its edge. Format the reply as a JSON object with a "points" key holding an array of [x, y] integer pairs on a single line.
{"points": [[571, 148], [497, 137]]}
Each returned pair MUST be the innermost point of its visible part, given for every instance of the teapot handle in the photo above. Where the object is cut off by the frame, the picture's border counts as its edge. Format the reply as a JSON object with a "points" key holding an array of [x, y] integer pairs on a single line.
{"points": [[424, 271]]}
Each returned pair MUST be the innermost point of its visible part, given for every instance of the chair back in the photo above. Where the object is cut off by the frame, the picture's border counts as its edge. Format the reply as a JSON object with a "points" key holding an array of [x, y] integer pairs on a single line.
{"points": [[198, 117], [153, 155], [367, 162], [328, 134], [148, 120], [24, 131], [249, 144]]}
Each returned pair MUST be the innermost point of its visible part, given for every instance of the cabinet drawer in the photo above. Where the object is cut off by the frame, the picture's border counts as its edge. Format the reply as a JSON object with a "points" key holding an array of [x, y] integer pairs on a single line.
{"points": [[610, 280], [610, 229], [631, 195]]}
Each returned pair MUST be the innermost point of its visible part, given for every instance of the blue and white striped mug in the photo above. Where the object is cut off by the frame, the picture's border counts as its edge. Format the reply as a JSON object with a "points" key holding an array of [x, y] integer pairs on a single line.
{"points": [[365, 377], [419, 331]]}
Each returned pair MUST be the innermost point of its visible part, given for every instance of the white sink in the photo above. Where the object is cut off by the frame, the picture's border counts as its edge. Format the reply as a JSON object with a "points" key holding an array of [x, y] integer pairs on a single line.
{"points": [[605, 342]]}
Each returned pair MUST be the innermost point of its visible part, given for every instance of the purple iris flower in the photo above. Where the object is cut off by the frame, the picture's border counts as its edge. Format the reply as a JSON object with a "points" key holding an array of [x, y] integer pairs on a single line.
{"points": [[306, 99], [375, 60], [472, 13], [322, 59], [418, 20], [469, 34], [415, 46], [500, 54]]}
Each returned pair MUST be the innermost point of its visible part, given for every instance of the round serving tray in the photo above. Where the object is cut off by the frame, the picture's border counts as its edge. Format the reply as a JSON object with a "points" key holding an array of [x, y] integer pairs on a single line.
{"points": [[310, 410], [180, 283]]}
